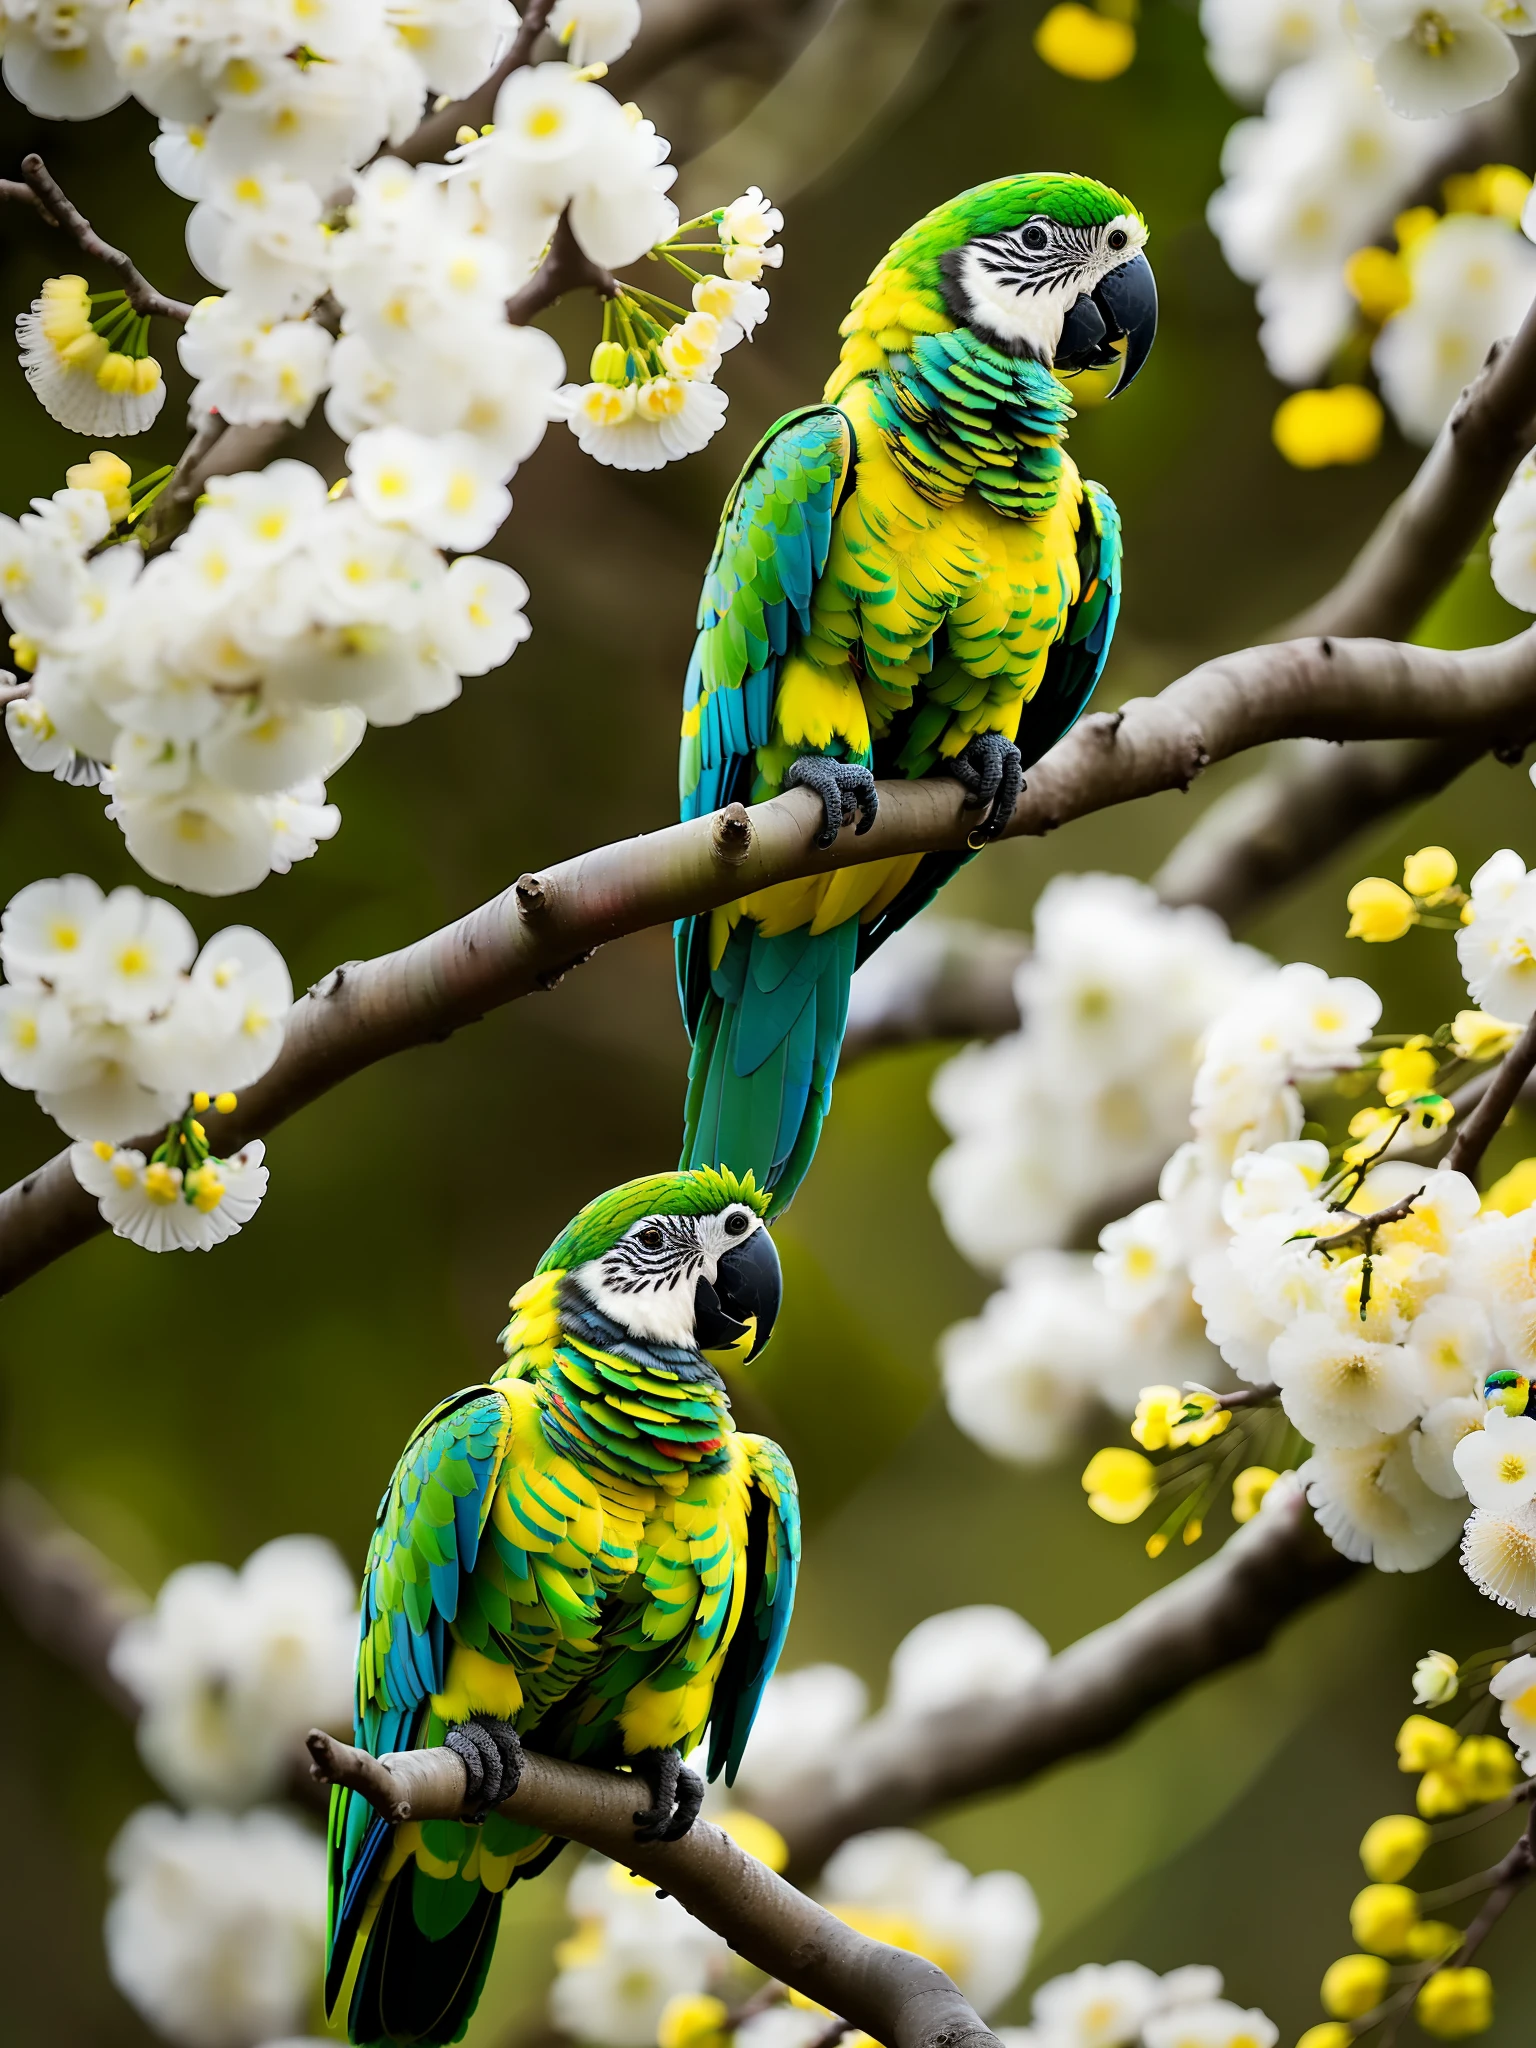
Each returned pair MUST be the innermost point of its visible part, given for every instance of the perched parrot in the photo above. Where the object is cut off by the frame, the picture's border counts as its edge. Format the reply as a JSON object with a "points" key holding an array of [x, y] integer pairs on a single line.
{"points": [[909, 578], [583, 1554]]}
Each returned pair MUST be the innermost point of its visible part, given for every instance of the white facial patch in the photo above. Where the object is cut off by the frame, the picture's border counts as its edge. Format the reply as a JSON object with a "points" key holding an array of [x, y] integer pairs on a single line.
{"points": [[1019, 286], [645, 1283]]}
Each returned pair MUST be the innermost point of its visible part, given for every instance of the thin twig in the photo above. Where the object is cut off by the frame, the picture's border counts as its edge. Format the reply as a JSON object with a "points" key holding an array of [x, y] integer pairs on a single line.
{"points": [[54, 204], [1264, 1395], [566, 268], [896, 1996], [1366, 1227], [432, 140], [1498, 1099]]}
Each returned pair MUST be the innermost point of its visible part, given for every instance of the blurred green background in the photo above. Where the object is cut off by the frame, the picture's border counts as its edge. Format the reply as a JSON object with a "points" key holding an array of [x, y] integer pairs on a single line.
{"points": [[184, 1408]]}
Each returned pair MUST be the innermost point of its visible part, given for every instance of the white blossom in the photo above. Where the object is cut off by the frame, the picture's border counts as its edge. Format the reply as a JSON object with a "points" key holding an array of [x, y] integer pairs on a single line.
{"points": [[800, 1725], [1213, 2023], [1496, 943], [231, 1669], [643, 426], [1248, 43], [1515, 1689], [986, 1924], [1497, 1463], [1433, 58], [632, 1952], [965, 1653], [1375, 1509], [1473, 276], [595, 31], [217, 1923], [57, 60], [1498, 1554]]}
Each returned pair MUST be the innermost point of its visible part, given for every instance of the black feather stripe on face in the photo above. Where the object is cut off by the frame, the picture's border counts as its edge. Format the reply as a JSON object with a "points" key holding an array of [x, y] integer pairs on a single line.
{"points": [[633, 1266], [1010, 259]]}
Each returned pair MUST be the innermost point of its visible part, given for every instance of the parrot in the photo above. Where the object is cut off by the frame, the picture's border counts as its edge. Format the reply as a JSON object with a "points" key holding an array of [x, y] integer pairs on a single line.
{"points": [[910, 578], [583, 1555]]}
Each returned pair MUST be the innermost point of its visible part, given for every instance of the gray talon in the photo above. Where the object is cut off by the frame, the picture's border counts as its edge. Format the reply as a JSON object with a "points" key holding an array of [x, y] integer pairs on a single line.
{"points": [[676, 1796], [991, 772], [846, 792], [492, 1757]]}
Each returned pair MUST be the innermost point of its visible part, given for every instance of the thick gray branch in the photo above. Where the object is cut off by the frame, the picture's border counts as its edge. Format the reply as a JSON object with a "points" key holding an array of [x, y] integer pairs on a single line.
{"points": [[1422, 542], [897, 1769], [431, 142], [943, 977], [896, 1997], [66, 1595], [528, 937]]}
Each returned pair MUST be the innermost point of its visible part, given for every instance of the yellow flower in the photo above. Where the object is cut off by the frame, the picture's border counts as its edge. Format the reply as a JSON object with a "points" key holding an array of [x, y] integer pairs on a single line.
{"points": [[108, 474], [1383, 1917], [760, 1838], [1079, 43], [1441, 1793], [1392, 1846], [1373, 1128], [1120, 1484], [1513, 1191], [1355, 1985], [1422, 1744], [1157, 1408], [1477, 1036], [1455, 2003], [1380, 283], [1331, 2034], [692, 2019], [1414, 225], [1428, 1114], [1487, 1768], [1249, 1489], [1406, 1071], [1497, 189], [610, 363], [1379, 911], [1433, 1941], [1316, 429], [1428, 871]]}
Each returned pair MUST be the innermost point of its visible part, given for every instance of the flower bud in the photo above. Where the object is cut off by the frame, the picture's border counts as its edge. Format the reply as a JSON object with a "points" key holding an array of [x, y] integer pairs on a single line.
{"points": [[1355, 1985]]}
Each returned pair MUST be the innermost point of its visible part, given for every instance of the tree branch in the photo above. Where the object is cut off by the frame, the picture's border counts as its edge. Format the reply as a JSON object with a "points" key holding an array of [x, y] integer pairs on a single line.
{"points": [[530, 935], [55, 205], [65, 1593], [1500, 1093], [896, 1997], [432, 140], [898, 1769], [566, 268], [1423, 540]]}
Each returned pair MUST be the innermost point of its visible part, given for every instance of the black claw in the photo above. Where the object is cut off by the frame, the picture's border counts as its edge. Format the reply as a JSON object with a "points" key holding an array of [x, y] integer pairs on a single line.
{"points": [[492, 1757], [845, 791], [991, 772], [662, 1770], [690, 1797]]}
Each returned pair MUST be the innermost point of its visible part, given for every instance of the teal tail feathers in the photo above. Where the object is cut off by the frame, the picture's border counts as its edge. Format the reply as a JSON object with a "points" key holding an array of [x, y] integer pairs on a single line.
{"points": [[768, 1027]]}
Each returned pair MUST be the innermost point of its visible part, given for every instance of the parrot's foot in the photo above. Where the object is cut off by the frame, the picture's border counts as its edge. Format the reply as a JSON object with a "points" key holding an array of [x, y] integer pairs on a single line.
{"points": [[676, 1796], [991, 771], [492, 1756], [845, 792]]}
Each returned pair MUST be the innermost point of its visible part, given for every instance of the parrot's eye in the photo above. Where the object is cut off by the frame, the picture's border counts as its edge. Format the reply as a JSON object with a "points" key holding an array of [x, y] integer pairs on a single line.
{"points": [[1117, 239], [735, 1223], [651, 1238], [1033, 238]]}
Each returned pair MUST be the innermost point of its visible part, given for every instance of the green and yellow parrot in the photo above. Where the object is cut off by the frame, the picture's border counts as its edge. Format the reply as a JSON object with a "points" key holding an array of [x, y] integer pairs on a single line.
{"points": [[584, 1554], [909, 578]]}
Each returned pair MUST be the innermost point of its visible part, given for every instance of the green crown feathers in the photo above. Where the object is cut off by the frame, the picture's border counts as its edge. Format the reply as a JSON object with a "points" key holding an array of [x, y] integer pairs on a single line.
{"points": [[701, 1192]]}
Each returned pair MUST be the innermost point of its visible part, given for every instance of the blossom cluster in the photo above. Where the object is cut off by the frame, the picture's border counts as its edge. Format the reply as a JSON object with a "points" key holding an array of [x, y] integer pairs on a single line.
{"points": [[1339, 145], [1126, 2005], [1085, 1102], [638, 1970], [217, 1923], [221, 682]]}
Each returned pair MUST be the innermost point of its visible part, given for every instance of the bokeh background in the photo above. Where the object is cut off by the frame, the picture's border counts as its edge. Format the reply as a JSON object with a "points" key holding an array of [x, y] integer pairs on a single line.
{"points": [[181, 1408]]}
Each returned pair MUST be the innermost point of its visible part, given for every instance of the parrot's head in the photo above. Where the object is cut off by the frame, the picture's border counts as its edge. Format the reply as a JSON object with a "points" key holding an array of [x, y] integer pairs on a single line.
{"points": [[1507, 1389], [1046, 266], [680, 1259]]}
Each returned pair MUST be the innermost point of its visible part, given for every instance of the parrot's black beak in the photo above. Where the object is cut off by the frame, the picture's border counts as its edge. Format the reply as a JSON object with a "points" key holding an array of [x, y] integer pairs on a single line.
{"points": [[733, 1318], [1123, 310]]}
